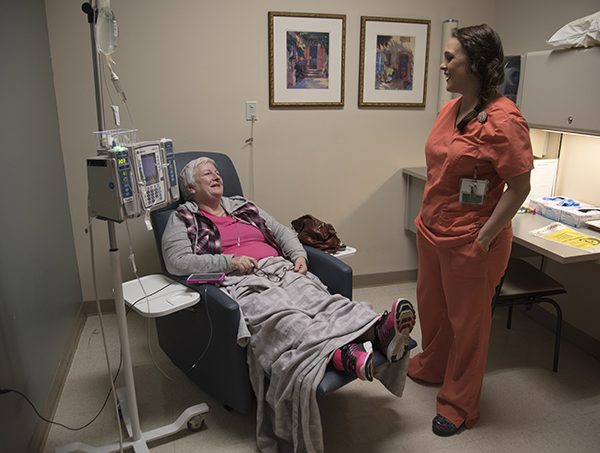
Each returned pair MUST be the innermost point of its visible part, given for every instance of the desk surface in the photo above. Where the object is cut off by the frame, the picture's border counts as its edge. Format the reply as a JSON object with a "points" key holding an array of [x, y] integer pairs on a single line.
{"points": [[417, 172], [524, 223]]}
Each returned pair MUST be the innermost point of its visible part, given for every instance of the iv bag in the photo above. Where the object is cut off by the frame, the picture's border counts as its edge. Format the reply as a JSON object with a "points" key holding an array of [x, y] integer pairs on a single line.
{"points": [[106, 29]]}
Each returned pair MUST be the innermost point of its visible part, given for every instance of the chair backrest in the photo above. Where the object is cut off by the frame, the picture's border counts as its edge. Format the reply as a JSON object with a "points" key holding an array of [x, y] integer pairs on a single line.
{"points": [[231, 186]]}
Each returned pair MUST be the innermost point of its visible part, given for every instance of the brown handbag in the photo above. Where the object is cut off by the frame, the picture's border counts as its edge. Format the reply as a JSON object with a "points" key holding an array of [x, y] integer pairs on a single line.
{"points": [[315, 233]]}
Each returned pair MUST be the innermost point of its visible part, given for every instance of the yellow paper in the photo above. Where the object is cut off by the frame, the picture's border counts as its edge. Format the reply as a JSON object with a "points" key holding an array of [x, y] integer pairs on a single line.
{"points": [[569, 237]]}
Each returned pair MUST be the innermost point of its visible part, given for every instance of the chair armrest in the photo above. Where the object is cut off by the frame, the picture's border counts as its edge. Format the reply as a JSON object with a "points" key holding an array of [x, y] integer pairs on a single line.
{"points": [[210, 292], [334, 273]]}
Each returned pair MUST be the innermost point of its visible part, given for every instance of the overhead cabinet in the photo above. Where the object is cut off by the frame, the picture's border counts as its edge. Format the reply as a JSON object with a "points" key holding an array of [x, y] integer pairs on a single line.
{"points": [[561, 90]]}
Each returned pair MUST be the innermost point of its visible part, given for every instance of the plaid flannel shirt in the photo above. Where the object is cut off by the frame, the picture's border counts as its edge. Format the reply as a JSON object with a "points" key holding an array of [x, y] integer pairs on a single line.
{"points": [[206, 235]]}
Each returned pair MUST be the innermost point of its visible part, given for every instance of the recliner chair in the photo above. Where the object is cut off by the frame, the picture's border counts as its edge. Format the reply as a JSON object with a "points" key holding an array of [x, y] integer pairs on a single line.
{"points": [[202, 341]]}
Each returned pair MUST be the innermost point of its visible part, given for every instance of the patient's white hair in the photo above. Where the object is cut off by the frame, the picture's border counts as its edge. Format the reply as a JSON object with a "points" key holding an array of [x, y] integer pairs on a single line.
{"points": [[186, 177]]}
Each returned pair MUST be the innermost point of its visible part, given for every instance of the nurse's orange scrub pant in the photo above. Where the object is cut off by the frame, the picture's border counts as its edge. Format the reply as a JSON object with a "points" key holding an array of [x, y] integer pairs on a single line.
{"points": [[455, 287]]}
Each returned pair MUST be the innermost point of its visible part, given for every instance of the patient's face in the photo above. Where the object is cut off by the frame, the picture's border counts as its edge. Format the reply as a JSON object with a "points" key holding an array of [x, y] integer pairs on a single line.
{"points": [[209, 184]]}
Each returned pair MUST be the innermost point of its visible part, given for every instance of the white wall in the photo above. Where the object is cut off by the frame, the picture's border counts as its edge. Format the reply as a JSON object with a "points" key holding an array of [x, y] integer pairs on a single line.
{"points": [[40, 294], [188, 67], [578, 170], [526, 25]]}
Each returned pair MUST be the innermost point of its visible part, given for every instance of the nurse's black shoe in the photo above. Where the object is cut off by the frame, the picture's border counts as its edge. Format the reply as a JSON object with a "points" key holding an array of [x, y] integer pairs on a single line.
{"points": [[443, 427]]}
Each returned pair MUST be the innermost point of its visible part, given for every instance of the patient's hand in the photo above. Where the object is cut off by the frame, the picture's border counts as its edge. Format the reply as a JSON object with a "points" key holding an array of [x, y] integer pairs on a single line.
{"points": [[243, 264], [300, 265]]}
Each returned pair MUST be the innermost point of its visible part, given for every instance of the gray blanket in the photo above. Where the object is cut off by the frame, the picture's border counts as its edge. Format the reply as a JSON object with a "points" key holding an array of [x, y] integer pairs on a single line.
{"points": [[291, 328]]}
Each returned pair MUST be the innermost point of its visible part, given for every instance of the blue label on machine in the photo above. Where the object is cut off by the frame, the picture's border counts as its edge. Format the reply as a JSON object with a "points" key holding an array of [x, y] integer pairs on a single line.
{"points": [[170, 157]]}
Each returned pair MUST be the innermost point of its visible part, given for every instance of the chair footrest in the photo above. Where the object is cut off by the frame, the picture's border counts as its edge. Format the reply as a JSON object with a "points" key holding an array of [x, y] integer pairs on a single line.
{"points": [[335, 379]]}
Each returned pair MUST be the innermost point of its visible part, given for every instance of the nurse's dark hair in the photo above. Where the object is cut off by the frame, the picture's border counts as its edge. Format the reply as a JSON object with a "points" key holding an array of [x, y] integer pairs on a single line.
{"points": [[485, 60]]}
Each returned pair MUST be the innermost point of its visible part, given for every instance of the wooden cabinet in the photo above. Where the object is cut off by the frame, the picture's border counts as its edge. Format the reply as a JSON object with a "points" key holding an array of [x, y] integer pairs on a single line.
{"points": [[561, 90]]}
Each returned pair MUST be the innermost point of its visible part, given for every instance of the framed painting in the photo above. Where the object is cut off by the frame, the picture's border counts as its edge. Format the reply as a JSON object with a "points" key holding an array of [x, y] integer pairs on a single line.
{"points": [[306, 59], [394, 55]]}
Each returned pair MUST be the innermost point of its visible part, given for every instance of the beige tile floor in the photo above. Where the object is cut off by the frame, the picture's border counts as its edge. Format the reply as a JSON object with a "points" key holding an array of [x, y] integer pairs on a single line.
{"points": [[525, 406]]}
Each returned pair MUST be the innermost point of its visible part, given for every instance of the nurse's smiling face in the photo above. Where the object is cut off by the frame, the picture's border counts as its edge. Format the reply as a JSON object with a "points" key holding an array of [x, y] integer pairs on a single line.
{"points": [[455, 67]]}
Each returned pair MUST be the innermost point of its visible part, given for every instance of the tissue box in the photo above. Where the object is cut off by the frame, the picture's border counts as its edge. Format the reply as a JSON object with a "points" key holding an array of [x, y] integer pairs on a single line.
{"points": [[577, 218]]}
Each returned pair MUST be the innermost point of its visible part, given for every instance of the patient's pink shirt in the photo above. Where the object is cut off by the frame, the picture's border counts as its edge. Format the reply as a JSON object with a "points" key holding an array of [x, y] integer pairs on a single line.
{"points": [[241, 239]]}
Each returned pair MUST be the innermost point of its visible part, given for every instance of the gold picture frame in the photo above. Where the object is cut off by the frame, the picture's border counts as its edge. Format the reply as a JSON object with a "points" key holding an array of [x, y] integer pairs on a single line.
{"points": [[306, 59], [394, 58]]}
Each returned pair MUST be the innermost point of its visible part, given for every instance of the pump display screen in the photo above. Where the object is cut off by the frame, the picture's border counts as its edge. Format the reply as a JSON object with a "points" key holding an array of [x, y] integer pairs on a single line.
{"points": [[123, 163], [150, 168]]}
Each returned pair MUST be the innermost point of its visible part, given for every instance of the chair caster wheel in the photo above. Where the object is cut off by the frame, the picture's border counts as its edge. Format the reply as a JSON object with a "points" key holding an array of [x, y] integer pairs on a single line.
{"points": [[195, 423]]}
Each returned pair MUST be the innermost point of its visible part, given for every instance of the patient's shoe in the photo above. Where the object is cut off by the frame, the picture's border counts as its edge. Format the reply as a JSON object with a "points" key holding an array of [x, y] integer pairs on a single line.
{"points": [[393, 329], [355, 358]]}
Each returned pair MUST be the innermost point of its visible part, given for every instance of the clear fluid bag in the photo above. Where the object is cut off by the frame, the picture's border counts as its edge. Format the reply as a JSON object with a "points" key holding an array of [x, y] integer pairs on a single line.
{"points": [[106, 29]]}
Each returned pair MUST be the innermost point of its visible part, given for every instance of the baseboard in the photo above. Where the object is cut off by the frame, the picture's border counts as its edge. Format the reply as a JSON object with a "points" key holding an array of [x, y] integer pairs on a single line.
{"points": [[385, 278], [106, 305], [42, 429]]}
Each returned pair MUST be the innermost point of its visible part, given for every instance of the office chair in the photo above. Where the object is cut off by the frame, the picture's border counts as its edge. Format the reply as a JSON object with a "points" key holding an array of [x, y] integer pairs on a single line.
{"points": [[524, 284], [202, 342]]}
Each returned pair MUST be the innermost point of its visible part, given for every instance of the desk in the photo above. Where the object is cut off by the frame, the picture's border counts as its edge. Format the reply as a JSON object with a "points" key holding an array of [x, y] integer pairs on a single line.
{"points": [[413, 195], [564, 254], [522, 224]]}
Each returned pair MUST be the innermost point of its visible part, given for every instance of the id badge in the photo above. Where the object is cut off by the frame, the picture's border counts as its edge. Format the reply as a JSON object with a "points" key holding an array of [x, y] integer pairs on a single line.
{"points": [[473, 191]]}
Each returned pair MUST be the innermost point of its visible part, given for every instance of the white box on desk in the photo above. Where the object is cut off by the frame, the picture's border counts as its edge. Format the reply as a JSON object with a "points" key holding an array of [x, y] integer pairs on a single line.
{"points": [[578, 218], [537, 204], [547, 207], [554, 212], [551, 209]]}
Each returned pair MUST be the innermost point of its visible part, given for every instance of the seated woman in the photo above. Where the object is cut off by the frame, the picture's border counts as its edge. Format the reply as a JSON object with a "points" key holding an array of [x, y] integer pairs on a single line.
{"points": [[293, 326]]}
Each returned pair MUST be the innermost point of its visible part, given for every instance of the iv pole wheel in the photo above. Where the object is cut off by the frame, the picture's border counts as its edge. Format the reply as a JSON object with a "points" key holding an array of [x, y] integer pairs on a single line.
{"points": [[195, 423]]}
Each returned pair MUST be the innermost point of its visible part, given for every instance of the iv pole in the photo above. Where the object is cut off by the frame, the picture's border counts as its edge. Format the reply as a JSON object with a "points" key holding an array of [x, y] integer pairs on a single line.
{"points": [[192, 417]]}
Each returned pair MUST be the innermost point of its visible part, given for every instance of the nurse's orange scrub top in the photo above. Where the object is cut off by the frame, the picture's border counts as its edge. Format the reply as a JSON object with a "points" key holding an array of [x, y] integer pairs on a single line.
{"points": [[494, 149]]}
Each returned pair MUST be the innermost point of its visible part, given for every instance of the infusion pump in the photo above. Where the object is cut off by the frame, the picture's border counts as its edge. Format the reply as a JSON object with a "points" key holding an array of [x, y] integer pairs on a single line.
{"points": [[130, 180]]}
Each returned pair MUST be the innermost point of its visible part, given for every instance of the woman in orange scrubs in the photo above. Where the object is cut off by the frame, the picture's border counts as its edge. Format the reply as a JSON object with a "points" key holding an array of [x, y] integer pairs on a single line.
{"points": [[479, 144]]}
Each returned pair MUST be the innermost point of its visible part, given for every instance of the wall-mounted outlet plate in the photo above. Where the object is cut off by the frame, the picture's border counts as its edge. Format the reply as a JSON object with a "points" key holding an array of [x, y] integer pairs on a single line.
{"points": [[251, 111]]}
